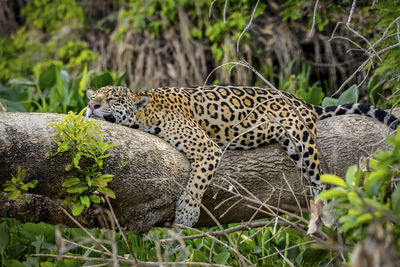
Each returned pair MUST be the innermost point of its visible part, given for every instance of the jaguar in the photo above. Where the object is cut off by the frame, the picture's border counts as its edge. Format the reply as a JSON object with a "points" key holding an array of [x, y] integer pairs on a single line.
{"points": [[201, 121]]}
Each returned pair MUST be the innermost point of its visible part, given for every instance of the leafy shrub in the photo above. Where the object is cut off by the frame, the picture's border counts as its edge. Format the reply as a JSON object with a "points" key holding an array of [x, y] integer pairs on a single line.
{"points": [[365, 197], [50, 15], [83, 138], [53, 90], [76, 54], [16, 187]]}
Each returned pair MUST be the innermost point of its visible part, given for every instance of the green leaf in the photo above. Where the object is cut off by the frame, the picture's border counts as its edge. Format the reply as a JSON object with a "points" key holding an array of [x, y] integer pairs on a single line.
{"points": [[354, 199], [352, 176], [14, 263], [332, 193], [349, 96], [396, 201], [222, 258], [77, 158], [67, 200], [199, 256], [48, 78], [23, 81], [77, 208], [107, 191], [34, 183], [348, 222], [85, 201], [47, 264], [13, 106], [99, 182], [4, 236], [329, 101], [101, 80], [24, 187], [374, 89], [367, 217], [333, 179], [375, 204], [79, 188], [314, 95], [14, 195], [107, 177], [94, 198], [71, 181], [10, 187]]}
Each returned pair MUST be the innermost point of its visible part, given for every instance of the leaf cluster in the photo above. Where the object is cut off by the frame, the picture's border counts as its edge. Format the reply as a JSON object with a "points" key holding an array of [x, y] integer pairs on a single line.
{"points": [[53, 89], [83, 140], [365, 197], [16, 186]]}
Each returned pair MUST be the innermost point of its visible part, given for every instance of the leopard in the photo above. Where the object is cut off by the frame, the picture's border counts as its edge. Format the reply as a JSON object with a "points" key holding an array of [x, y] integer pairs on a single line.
{"points": [[203, 121]]}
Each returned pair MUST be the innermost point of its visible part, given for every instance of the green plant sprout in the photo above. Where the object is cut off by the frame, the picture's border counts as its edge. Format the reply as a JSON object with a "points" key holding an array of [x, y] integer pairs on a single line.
{"points": [[83, 139], [16, 186]]}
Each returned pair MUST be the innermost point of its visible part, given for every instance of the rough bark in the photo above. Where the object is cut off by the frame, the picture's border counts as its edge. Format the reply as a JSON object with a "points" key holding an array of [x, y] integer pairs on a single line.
{"points": [[147, 187]]}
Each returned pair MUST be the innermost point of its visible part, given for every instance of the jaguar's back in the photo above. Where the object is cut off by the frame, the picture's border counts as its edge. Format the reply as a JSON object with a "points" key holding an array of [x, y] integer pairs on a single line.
{"points": [[243, 117]]}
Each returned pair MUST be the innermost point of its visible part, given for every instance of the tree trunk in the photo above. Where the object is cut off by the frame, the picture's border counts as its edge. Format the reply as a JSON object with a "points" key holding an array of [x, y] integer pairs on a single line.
{"points": [[148, 186]]}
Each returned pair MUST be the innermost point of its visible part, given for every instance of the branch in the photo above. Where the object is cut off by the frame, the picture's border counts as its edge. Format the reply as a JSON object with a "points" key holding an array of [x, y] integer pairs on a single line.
{"points": [[150, 183]]}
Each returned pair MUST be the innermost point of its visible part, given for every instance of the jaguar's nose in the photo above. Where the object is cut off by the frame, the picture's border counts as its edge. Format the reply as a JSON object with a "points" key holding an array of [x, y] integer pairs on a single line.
{"points": [[94, 105]]}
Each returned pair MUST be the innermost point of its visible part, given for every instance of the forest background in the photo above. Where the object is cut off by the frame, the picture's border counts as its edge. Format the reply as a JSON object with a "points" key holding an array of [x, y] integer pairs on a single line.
{"points": [[51, 51]]}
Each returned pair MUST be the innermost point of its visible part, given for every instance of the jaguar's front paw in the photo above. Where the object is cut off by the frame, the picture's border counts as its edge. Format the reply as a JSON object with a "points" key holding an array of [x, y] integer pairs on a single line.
{"points": [[187, 211]]}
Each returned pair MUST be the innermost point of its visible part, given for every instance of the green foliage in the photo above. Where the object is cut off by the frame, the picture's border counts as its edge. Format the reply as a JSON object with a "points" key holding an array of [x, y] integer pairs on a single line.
{"points": [[24, 50], [19, 239], [299, 85], [385, 76], [50, 15], [16, 186], [76, 54], [83, 139], [300, 9], [52, 90], [156, 16], [348, 96], [361, 198]]}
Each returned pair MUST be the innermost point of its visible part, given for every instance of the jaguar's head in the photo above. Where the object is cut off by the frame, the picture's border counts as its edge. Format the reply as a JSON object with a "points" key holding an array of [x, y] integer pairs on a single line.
{"points": [[115, 104]]}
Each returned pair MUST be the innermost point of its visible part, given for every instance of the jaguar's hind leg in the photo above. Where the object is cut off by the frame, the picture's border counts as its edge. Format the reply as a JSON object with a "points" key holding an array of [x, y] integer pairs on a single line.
{"points": [[301, 147]]}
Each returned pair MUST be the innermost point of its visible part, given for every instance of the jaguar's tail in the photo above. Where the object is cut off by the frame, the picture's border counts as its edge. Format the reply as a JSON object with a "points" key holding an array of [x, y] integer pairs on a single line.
{"points": [[361, 109]]}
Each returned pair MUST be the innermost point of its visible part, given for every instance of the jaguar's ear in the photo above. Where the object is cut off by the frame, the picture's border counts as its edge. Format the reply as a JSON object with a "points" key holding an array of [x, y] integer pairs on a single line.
{"points": [[89, 93], [141, 101]]}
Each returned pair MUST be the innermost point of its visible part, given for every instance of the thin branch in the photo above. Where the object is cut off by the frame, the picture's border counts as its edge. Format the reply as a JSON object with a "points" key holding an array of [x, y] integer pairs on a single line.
{"points": [[247, 26], [84, 229], [225, 6], [119, 228], [211, 6], [226, 231], [353, 7], [127, 261], [285, 258], [312, 30], [286, 249]]}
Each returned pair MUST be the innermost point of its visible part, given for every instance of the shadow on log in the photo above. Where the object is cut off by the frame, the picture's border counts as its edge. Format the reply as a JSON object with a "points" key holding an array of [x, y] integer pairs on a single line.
{"points": [[148, 186]]}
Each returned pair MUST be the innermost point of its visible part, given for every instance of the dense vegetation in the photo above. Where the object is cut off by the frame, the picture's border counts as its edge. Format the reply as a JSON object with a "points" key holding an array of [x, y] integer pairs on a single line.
{"points": [[51, 51]]}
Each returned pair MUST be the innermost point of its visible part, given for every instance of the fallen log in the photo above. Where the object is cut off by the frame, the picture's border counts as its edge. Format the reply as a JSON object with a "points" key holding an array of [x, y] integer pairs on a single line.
{"points": [[150, 183]]}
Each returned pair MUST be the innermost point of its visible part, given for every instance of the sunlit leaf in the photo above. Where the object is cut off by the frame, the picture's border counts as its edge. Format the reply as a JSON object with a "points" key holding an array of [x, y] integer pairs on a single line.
{"points": [[333, 179]]}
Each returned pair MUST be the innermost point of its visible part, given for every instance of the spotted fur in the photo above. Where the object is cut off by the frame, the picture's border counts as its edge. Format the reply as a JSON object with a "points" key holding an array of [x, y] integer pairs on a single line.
{"points": [[200, 121]]}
